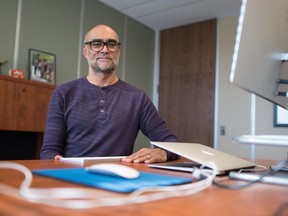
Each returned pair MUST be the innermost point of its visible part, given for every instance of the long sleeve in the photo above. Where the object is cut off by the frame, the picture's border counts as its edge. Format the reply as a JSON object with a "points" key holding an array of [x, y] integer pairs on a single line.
{"points": [[88, 121]]}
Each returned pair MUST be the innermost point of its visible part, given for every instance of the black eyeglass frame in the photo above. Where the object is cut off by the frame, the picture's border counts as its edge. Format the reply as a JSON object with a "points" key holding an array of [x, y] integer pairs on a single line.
{"points": [[117, 44]]}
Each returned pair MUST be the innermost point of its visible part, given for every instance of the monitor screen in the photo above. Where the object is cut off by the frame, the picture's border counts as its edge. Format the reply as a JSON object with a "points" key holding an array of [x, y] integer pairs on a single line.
{"points": [[262, 38]]}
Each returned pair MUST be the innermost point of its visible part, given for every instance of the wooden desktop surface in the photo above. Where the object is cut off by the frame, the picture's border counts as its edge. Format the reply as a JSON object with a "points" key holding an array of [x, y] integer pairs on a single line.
{"points": [[259, 199]]}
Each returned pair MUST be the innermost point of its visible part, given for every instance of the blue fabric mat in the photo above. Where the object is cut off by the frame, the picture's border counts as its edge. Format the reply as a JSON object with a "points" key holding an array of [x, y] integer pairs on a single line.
{"points": [[112, 183]]}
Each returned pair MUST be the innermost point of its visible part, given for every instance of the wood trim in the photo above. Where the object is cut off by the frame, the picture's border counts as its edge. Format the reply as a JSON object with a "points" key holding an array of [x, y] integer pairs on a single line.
{"points": [[25, 81]]}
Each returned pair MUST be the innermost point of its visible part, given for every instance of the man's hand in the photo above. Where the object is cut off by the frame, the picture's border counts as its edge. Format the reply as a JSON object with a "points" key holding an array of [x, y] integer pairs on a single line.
{"points": [[57, 157], [147, 155]]}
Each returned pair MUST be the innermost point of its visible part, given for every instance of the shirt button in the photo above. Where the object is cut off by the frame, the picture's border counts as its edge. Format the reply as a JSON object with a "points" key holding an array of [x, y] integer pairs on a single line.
{"points": [[101, 101], [102, 111]]}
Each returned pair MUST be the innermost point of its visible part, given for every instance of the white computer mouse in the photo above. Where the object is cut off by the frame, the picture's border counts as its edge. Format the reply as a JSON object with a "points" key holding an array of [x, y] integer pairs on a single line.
{"points": [[114, 169]]}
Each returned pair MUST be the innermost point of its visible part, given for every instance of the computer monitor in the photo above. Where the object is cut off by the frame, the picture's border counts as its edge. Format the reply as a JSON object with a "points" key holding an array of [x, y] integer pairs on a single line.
{"points": [[259, 63]]}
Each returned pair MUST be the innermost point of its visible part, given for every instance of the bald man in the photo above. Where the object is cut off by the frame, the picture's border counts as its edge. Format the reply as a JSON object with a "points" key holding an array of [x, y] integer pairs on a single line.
{"points": [[100, 114]]}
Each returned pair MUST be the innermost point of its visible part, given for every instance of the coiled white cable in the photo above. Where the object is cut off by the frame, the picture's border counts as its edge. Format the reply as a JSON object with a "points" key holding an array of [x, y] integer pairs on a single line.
{"points": [[79, 198]]}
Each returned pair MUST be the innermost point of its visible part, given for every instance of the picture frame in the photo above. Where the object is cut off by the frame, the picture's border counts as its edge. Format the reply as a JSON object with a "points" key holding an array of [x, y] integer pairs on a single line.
{"points": [[42, 66], [280, 116]]}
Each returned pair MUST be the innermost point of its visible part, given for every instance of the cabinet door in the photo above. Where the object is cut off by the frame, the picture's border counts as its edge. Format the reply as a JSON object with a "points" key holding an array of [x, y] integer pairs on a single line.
{"points": [[32, 107], [7, 104]]}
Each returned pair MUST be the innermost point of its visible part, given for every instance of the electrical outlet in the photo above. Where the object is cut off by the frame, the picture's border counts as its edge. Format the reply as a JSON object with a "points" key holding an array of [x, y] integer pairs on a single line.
{"points": [[222, 130]]}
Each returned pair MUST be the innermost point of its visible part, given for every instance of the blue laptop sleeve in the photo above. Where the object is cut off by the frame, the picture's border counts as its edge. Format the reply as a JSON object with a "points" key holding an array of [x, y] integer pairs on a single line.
{"points": [[112, 183]]}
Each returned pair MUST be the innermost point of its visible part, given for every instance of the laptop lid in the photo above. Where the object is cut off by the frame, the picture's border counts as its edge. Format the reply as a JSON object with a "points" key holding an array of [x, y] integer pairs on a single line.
{"points": [[204, 155]]}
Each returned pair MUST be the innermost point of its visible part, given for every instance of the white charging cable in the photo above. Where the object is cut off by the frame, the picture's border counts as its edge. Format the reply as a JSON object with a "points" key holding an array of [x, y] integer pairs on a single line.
{"points": [[79, 198]]}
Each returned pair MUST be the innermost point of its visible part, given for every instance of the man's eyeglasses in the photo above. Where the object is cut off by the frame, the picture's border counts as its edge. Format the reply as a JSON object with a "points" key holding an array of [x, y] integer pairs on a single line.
{"points": [[98, 45]]}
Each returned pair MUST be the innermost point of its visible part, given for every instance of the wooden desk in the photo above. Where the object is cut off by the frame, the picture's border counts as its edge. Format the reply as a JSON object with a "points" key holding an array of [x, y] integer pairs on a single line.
{"points": [[260, 199]]}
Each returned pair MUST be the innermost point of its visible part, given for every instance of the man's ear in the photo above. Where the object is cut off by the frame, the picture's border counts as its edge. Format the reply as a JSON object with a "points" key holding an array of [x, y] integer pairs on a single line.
{"points": [[85, 51]]}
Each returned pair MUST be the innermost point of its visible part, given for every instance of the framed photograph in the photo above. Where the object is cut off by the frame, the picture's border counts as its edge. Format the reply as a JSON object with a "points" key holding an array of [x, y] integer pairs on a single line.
{"points": [[280, 117], [42, 66]]}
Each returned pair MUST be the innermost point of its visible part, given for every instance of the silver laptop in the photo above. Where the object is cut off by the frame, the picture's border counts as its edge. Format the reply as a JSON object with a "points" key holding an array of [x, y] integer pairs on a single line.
{"points": [[202, 155]]}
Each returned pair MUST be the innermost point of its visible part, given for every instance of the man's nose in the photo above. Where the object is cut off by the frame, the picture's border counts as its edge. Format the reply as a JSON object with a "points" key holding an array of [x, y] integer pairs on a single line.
{"points": [[105, 48]]}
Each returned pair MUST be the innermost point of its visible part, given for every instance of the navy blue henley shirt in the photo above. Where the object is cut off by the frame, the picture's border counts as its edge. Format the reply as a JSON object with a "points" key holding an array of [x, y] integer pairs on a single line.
{"points": [[85, 120]]}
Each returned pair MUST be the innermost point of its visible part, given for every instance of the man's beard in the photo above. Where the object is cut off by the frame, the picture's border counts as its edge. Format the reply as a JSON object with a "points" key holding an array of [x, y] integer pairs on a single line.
{"points": [[106, 70]]}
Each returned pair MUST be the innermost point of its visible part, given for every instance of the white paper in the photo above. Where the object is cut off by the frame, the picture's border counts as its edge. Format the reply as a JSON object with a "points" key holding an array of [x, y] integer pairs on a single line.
{"points": [[82, 160]]}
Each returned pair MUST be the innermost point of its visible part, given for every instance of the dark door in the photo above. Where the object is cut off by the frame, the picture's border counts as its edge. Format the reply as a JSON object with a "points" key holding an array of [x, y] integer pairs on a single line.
{"points": [[187, 81]]}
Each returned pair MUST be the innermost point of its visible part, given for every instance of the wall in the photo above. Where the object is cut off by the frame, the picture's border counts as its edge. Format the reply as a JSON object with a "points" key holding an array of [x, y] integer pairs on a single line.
{"points": [[234, 105], [7, 36], [59, 27]]}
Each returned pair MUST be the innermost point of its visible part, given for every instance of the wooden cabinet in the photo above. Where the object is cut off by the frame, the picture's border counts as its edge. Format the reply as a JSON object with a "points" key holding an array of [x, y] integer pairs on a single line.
{"points": [[23, 104], [7, 101]]}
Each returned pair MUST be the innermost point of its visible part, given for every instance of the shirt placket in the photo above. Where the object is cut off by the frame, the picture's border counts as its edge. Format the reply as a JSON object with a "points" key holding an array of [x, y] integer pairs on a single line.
{"points": [[102, 103]]}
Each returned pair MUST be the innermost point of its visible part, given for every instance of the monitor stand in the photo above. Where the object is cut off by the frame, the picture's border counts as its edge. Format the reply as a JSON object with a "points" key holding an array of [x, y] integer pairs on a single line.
{"points": [[279, 175]]}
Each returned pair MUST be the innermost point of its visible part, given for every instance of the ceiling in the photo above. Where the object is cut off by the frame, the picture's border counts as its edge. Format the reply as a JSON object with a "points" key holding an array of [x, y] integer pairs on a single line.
{"points": [[164, 14]]}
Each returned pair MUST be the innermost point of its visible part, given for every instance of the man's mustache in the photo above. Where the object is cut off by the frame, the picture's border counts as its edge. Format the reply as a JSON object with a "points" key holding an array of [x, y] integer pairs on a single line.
{"points": [[104, 57]]}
